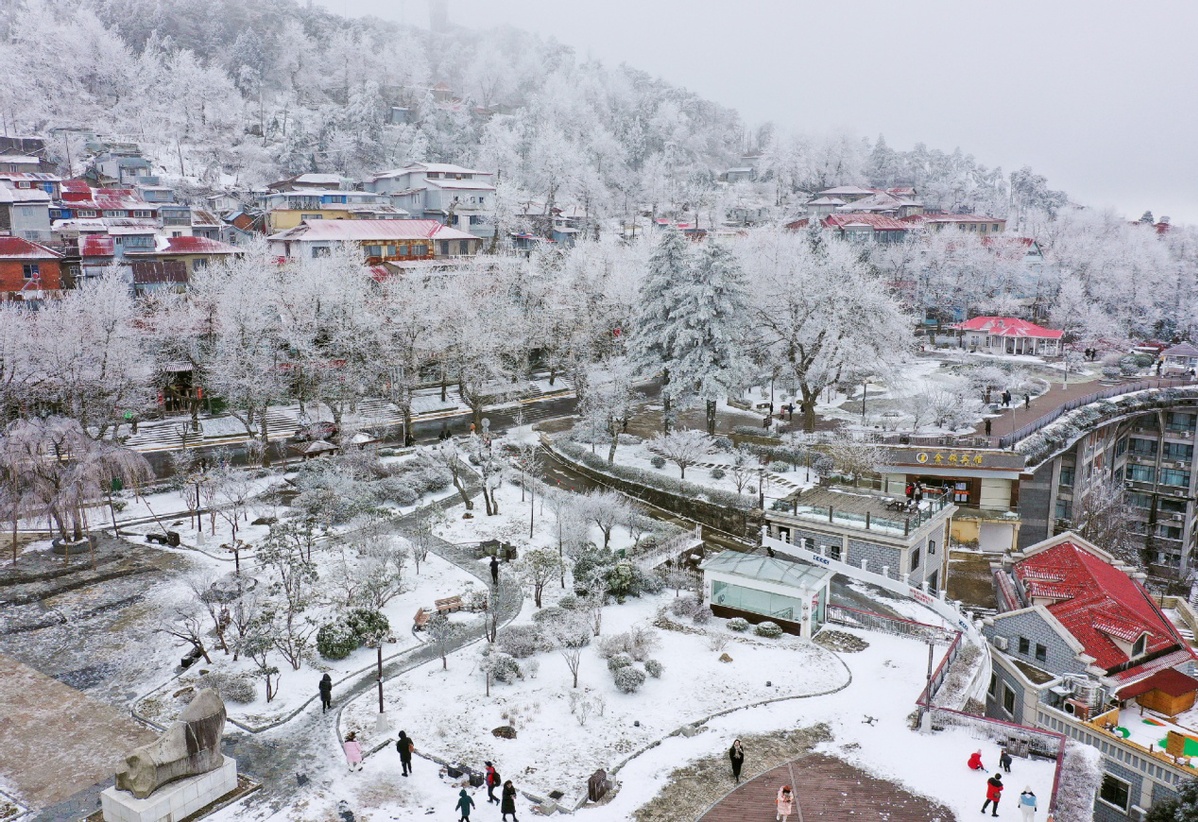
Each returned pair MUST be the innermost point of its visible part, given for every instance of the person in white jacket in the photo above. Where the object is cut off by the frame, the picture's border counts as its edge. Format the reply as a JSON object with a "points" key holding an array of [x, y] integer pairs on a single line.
{"points": [[1027, 804]]}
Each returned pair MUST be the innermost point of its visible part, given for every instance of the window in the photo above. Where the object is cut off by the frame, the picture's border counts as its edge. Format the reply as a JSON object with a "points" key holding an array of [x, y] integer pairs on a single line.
{"points": [[1064, 509], [1175, 477], [931, 547], [145, 214], [1141, 473], [1008, 700], [1115, 792], [1041, 652], [1140, 646], [915, 558], [1067, 475], [1142, 448], [1024, 645], [199, 264], [1137, 500], [1179, 451], [1180, 422], [87, 212], [31, 271], [320, 251], [419, 250], [114, 213], [311, 216], [1169, 531], [993, 689], [374, 251]]}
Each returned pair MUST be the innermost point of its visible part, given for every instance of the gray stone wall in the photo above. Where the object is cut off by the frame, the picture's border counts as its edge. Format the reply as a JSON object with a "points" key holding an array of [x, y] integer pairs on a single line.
{"points": [[879, 556], [1059, 657], [1106, 813], [817, 539], [994, 706], [1035, 505]]}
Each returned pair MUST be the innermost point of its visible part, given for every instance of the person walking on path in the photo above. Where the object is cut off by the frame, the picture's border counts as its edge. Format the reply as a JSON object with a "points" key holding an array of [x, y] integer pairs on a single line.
{"points": [[1004, 759], [987, 423], [1027, 804], [465, 803], [495, 570], [785, 803], [1027, 401], [918, 493], [508, 805], [353, 751], [993, 793], [737, 755], [492, 783], [326, 693], [405, 747], [1006, 398], [975, 761]]}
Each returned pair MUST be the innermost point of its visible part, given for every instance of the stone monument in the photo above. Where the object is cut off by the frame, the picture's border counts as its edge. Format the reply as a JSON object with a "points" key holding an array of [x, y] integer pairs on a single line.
{"points": [[178, 773]]}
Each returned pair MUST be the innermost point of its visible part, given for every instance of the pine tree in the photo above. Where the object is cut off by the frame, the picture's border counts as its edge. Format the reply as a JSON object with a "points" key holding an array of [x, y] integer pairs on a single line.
{"points": [[654, 342]]}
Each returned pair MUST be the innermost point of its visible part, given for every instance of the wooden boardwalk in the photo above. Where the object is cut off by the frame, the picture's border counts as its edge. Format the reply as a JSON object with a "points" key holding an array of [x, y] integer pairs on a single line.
{"points": [[829, 789]]}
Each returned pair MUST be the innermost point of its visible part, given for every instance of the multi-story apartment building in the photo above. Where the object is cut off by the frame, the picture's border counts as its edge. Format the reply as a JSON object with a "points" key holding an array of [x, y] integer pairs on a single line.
{"points": [[1151, 454], [1079, 647]]}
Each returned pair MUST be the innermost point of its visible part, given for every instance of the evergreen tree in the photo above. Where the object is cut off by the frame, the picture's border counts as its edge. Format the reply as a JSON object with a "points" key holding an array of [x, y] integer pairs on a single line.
{"points": [[1182, 809], [653, 339]]}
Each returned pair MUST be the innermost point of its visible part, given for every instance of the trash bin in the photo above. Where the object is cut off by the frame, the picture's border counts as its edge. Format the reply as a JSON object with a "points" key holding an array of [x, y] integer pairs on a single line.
{"points": [[172, 539]]}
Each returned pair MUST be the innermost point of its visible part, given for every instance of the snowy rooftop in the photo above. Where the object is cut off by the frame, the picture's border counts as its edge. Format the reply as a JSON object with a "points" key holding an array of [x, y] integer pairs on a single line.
{"points": [[768, 569], [366, 230]]}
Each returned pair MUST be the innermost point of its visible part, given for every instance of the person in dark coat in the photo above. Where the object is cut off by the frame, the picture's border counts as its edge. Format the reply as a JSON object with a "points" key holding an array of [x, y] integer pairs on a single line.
{"points": [[993, 793], [987, 426], [326, 693], [1027, 400], [405, 746], [737, 755], [508, 805], [492, 783], [1004, 759], [465, 803], [1006, 398], [494, 570], [918, 496]]}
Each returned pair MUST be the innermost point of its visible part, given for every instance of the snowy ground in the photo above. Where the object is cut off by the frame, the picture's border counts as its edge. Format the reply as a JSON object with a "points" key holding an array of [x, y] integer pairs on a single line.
{"points": [[886, 679]]}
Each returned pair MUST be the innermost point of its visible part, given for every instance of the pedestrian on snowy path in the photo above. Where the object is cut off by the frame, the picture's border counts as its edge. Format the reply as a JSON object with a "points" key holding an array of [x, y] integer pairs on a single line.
{"points": [[1027, 401], [495, 570], [975, 761], [737, 754], [326, 693], [1004, 759], [1006, 398], [353, 751], [492, 783], [993, 793], [405, 746], [1027, 804], [465, 803], [508, 805], [785, 803]]}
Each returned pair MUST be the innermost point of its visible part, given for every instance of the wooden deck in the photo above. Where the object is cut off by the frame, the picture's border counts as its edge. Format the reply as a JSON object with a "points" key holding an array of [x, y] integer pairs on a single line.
{"points": [[829, 789]]}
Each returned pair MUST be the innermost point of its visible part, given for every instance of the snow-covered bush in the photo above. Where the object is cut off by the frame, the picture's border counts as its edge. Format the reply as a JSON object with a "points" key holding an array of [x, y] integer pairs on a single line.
{"points": [[638, 642], [237, 688], [618, 661], [722, 444], [549, 615], [717, 473], [654, 668], [337, 640], [692, 608], [522, 641], [502, 667], [370, 627], [427, 476], [1081, 777], [738, 624], [779, 467], [657, 461], [702, 615], [398, 490], [767, 629], [568, 602], [628, 679]]}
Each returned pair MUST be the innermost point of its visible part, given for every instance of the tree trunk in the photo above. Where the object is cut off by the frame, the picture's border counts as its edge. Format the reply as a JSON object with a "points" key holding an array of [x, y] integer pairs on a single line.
{"points": [[265, 440], [711, 418], [665, 401], [808, 409]]}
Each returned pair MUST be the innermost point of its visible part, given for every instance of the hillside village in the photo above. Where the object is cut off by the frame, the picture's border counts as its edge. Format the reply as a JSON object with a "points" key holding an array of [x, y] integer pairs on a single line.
{"points": [[550, 415]]}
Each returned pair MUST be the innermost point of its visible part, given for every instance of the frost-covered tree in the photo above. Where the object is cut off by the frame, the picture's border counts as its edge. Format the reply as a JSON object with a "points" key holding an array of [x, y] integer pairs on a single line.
{"points": [[607, 509], [683, 448], [1182, 809], [610, 400], [536, 568], [653, 340]]}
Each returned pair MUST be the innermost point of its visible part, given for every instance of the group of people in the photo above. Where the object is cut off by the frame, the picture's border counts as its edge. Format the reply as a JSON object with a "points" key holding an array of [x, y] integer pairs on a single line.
{"points": [[994, 786], [915, 490], [784, 802]]}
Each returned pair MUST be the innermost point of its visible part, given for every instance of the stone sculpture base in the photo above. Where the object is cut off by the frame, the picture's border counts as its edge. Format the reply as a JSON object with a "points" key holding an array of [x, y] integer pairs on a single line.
{"points": [[173, 801]]}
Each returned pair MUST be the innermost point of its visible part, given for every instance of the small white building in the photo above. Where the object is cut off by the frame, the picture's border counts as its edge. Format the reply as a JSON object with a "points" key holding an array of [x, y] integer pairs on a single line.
{"points": [[1179, 359], [462, 198], [759, 588]]}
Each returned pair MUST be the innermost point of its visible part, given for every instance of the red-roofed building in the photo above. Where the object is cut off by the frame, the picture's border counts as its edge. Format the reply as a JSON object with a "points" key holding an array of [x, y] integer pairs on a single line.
{"points": [[1080, 647], [1009, 335], [972, 223], [28, 271], [860, 228], [174, 260], [380, 240]]}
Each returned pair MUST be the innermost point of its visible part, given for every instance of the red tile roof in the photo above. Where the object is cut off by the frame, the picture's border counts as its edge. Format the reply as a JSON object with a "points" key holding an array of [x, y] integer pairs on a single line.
{"points": [[1008, 327], [877, 222], [1170, 681], [196, 245], [95, 245], [12, 248], [1100, 602]]}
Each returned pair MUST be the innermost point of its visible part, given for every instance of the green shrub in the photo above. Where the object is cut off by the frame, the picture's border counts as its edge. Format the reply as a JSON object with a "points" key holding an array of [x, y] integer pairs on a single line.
{"points": [[769, 630], [628, 679], [568, 602], [368, 625], [718, 473], [738, 624], [654, 668], [618, 661], [657, 461], [337, 640], [237, 688]]}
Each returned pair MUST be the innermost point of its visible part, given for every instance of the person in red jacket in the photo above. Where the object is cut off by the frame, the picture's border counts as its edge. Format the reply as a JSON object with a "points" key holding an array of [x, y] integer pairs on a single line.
{"points": [[993, 793], [975, 761]]}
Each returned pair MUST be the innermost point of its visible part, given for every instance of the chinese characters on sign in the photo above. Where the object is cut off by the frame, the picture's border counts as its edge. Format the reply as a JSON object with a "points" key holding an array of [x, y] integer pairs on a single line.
{"points": [[952, 458]]}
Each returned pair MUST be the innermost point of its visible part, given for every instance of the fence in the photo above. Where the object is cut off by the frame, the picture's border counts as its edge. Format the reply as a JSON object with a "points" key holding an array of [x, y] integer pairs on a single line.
{"points": [[1071, 405], [856, 618]]}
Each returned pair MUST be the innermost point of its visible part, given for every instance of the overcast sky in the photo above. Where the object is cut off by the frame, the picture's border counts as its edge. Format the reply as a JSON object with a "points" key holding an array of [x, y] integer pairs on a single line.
{"points": [[1099, 96]]}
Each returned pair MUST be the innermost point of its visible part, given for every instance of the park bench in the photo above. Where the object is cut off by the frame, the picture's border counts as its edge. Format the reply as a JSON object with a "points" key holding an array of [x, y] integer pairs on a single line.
{"points": [[169, 538], [421, 619], [449, 604]]}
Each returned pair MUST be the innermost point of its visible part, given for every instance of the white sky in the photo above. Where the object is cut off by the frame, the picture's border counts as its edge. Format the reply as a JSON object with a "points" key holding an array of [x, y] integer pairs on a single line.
{"points": [[1097, 95]]}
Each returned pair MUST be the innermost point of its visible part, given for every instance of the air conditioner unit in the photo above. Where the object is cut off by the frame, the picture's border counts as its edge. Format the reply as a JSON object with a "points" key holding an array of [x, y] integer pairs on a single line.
{"points": [[1000, 642], [1178, 517], [1077, 708]]}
